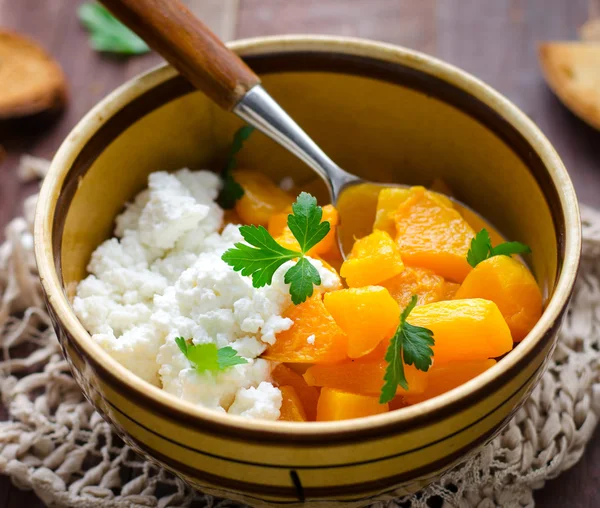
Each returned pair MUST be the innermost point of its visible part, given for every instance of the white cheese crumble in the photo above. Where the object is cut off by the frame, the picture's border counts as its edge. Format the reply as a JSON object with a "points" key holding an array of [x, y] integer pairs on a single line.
{"points": [[310, 339], [162, 277]]}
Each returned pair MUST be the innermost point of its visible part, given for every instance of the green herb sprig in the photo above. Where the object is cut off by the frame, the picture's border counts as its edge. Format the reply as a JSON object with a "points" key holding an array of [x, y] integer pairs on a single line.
{"points": [[263, 256], [232, 190], [107, 34], [481, 248], [411, 345], [207, 357]]}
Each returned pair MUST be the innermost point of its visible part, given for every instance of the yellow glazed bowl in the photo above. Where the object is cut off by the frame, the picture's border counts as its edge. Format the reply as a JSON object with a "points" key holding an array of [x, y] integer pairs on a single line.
{"points": [[381, 111]]}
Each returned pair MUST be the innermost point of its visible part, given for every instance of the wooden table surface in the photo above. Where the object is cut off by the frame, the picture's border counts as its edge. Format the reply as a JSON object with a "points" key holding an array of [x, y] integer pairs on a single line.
{"points": [[493, 39]]}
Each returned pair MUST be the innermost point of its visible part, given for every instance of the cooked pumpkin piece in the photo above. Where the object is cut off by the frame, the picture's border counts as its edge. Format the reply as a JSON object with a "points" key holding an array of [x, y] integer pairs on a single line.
{"points": [[432, 235], [413, 280], [309, 395], [511, 286], [310, 318], [291, 406], [372, 260], [464, 330], [339, 405], [261, 199], [443, 378], [390, 199], [367, 316], [364, 377]]}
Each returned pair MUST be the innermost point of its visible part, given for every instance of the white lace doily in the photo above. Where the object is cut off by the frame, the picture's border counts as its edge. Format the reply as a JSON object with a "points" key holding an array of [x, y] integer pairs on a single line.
{"points": [[57, 445]]}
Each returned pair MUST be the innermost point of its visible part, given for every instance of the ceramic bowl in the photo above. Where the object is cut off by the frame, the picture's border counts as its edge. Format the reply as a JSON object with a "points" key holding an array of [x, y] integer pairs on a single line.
{"points": [[381, 111]]}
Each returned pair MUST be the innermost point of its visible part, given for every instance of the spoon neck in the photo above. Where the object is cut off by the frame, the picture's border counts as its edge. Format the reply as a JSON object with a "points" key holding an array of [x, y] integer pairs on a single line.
{"points": [[261, 111]]}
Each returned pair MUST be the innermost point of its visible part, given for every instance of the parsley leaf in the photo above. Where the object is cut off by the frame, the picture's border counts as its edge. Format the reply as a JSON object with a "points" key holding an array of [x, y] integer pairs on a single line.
{"points": [[206, 357], [306, 224], [107, 34], [232, 191], [509, 248], [301, 278], [411, 345], [263, 256], [481, 248]]}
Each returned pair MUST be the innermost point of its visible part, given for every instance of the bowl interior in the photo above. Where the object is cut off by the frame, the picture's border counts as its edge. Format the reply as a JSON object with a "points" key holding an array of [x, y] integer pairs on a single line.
{"points": [[383, 121]]}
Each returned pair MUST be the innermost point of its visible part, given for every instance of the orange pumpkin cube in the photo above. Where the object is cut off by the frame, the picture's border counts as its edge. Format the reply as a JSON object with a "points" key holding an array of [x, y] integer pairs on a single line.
{"points": [[337, 405], [261, 199], [450, 289], [282, 375], [291, 406], [373, 259], [367, 316], [390, 199], [443, 378], [511, 286], [422, 282], [278, 222], [362, 377], [464, 330], [432, 235], [311, 318]]}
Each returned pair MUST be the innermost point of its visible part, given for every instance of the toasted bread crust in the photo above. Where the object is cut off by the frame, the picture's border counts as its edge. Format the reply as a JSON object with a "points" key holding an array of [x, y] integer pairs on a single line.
{"points": [[572, 70], [31, 81]]}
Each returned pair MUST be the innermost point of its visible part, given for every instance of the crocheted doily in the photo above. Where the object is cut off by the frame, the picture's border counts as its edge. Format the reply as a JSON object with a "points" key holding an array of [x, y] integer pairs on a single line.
{"points": [[56, 444]]}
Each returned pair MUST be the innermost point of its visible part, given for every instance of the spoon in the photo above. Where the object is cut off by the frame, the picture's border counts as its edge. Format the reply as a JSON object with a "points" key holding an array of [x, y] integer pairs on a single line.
{"points": [[187, 44]]}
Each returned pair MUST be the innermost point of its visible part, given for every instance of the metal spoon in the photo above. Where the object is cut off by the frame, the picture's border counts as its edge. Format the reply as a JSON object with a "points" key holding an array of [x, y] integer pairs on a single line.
{"points": [[186, 43]]}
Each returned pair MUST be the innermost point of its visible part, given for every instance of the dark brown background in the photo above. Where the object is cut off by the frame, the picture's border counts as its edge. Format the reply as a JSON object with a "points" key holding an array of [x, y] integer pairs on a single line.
{"points": [[494, 39]]}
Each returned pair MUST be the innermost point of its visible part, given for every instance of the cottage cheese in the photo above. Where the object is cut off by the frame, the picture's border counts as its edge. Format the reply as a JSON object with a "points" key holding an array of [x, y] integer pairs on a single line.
{"points": [[162, 277]]}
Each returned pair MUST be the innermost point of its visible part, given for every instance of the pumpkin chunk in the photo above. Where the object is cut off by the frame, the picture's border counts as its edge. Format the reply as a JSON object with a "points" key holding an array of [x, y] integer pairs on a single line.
{"points": [[363, 377], [433, 235], [339, 405], [422, 282], [367, 316], [310, 318], [443, 378], [464, 330], [291, 406], [373, 259], [390, 199], [261, 199], [309, 395], [510, 285]]}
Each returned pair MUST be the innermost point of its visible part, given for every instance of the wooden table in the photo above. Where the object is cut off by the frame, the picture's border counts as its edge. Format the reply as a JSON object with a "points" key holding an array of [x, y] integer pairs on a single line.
{"points": [[493, 39]]}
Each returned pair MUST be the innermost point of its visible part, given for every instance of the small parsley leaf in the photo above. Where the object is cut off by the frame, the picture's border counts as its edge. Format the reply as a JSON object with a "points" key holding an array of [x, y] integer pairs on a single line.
{"points": [[305, 223], [301, 277], [509, 248], [206, 357], [107, 34], [263, 256], [232, 191], [411, 345], [228, 357], [481, 248]]}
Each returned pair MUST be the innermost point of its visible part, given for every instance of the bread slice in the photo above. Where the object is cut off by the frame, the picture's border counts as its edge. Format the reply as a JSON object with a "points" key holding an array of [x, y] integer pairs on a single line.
{"points": [[572, 70], [31, 81]]}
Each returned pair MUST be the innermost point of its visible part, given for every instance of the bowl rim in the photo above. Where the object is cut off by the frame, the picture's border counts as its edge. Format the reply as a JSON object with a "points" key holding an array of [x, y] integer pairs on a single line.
{"points": [[263, 429]]}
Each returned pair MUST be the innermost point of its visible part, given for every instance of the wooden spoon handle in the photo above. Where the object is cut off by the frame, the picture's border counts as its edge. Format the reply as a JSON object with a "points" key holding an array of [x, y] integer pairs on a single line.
{"points": [[185, 42]]}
